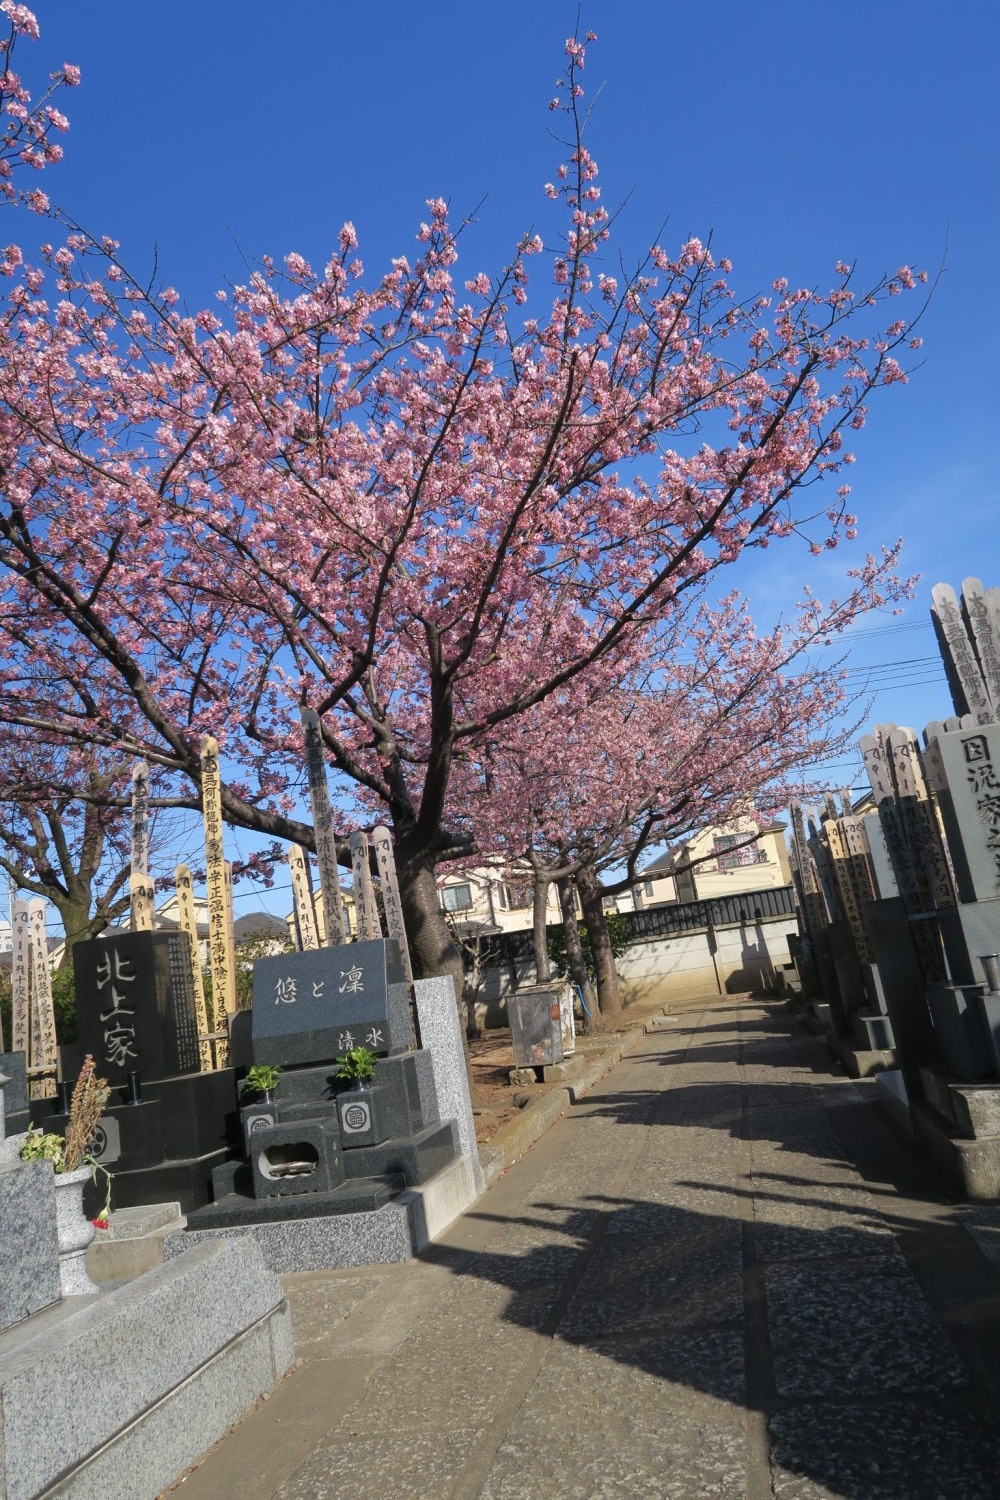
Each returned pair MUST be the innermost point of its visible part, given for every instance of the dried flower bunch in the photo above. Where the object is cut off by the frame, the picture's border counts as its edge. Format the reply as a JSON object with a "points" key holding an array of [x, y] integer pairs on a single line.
{"points": [[90, 1096]]}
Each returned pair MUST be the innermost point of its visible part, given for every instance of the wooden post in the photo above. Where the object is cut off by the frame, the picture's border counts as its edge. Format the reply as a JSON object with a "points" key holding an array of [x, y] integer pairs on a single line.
{"points": [[20, 978], [305, 917], [187, 922], [326, 843], [369, 926], [220, 930], [391, 904], [43, 1057]]}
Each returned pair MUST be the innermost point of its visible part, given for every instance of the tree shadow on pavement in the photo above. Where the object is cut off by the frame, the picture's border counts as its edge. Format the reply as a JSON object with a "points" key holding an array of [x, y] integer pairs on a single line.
{"points": [[747, 1322], [683, 1322]]}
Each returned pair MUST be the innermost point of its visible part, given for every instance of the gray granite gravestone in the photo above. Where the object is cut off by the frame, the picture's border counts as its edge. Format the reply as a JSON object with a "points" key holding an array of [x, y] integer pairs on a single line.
{"points": [[29, 1250], [315, 1006], [966, 769], [14, 1067]]}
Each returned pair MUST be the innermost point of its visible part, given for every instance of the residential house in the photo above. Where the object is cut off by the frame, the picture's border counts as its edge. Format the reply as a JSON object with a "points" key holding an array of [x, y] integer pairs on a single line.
{"points": [[720, 861], [493, 898]]}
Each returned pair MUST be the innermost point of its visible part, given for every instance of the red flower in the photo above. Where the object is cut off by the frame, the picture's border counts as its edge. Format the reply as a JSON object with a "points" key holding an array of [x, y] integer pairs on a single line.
{"points": [[100, 1223]]}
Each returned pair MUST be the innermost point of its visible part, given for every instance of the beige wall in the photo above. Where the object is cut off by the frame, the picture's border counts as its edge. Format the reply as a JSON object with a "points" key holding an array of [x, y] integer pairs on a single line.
{"points": [[730, 960]]}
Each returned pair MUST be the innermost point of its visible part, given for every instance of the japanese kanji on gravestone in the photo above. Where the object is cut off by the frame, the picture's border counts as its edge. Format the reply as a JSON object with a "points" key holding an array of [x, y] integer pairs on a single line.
{"points": [[135, 1004], [966, 770], [315, 1006]]}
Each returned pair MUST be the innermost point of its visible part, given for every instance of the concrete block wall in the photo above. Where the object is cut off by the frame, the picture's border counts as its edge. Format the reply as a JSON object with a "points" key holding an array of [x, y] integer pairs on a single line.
{"points": [[744, 956]]}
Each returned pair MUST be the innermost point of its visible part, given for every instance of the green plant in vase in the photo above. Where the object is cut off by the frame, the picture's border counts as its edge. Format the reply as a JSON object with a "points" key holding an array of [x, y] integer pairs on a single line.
{"points": [[357, 1067], [261, 1079]]}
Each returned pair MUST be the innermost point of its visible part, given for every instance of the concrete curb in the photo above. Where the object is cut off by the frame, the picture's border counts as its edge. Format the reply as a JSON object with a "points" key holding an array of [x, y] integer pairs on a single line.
{"points": [[518, 1136]]}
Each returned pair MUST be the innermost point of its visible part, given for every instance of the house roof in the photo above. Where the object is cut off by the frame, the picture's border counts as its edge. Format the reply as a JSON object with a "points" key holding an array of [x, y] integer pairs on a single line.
{"points": [[259, 924]]}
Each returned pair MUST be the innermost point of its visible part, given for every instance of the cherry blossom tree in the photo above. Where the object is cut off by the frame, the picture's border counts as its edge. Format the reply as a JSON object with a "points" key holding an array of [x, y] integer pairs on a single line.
{"points": [[422, 507], [717, 721], [29, 128]]}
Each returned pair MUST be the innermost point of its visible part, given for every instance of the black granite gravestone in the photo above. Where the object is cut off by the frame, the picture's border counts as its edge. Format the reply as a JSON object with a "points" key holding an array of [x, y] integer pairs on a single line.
{"points": [[135, 1005], [314, 1006]]}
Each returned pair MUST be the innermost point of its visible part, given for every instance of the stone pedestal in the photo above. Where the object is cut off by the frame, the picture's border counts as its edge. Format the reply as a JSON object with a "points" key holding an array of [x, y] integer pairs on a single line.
{"points": [[29, 1250], [956, 1012], [968, 931], [903, 989]]}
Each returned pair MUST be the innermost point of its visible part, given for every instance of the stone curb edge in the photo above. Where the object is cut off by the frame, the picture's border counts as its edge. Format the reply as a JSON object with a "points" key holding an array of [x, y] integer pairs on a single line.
{"points": [[512, 1141]]}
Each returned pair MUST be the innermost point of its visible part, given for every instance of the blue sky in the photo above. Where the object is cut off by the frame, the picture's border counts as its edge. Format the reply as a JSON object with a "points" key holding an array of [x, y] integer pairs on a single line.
{"points": [[796, 134]]}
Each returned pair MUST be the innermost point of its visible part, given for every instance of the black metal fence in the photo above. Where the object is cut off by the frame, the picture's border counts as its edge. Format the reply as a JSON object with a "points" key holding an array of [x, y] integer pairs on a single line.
{"points": [[664, 921]]}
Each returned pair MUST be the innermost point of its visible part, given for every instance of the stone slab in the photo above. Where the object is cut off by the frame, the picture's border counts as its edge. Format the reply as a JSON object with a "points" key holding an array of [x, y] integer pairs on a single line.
{"points": [[186, 1182], [968, 763], [873, 1031], [132, 1244], [891, 1098], [237, 1208], [968, 931], [29, 1252], [417, 1157], [959, 1029], [15, 1091], [136, 1223], [434, 1205], [972, 1168], [126, 1350], [394, 1232], [863, 1062], [317, 1244], [441, 1035], [157, 1448], [977, 1109]]}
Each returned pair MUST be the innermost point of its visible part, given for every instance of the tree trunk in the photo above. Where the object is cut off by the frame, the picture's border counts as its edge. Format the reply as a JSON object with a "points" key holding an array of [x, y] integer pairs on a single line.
{"points": [[431, 945], [608, 990], [433, 951], [574, 952], [538, 914], [77, 924], [470, 992]]}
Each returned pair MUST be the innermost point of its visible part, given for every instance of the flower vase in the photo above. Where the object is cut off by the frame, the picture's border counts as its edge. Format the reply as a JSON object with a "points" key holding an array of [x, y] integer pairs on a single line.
{"points": [[74, 1231]]}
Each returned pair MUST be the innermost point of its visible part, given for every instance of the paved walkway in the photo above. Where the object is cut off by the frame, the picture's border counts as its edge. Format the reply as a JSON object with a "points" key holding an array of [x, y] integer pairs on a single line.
{"points": [[718, 1276]]}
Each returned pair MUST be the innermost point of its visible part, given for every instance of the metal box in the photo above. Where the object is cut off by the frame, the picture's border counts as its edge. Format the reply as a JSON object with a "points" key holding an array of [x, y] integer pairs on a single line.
{"points": [[535, 1026]]}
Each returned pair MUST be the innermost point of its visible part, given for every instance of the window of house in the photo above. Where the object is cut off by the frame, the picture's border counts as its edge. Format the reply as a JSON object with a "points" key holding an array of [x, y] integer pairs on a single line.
{"points": [[729, 857], [503, 901], [522, 894], [647, 887], [457, 897]]}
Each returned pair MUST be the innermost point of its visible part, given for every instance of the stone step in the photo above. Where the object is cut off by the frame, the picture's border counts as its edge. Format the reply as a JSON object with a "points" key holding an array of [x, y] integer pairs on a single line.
{"points": [[139, 1380]]}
